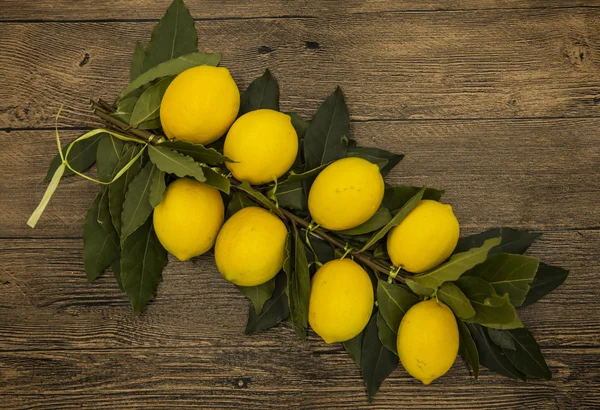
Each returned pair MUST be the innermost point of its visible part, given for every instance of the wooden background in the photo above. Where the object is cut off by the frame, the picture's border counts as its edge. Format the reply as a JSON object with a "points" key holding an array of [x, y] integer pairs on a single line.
{"points": [[496, 101]]}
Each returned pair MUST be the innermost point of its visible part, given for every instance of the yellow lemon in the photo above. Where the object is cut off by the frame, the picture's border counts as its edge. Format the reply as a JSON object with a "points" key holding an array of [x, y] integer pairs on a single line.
{"points": [[428, 340], [264, 145], [200, 105], [346, 193], [341, 300], [251, 247], [188, 218], [425, 238]]}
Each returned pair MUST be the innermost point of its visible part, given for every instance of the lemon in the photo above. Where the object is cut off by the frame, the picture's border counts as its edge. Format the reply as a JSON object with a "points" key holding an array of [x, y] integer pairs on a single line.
{"points": [[341, 300], [251, 247], [200, 105], [346, 193], [188, 218], [264, 145], [428, 340], [425, 238]]}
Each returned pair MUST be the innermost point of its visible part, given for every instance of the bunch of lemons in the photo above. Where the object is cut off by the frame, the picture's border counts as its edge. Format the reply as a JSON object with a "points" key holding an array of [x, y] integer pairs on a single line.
{"points": [[200, 106]]}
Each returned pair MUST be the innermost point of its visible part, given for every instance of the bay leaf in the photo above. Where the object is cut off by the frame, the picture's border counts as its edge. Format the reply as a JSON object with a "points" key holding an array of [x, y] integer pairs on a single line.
{"points": [[100, 244], [467, 348], [513, 240], [301, 175], [116, 268], [391, 159], [118, 189], [354, 347], [419, 289], [456, 300], [323, 251], [108, 153], [262, 93], [136, 205], [147, 106], [298, 283], [545, 281], [238, 201], [527, 356], [137, 61], [198, 152], [259, 197], [80, 158], [387, 335], [501, 338], [291, 196], [259, 294], [157, 188], [394, 301], [172, 162], [125, 107], [299, 124], [216, 180], [377, 221], [395, 197], [274, 310], [153, 124]]}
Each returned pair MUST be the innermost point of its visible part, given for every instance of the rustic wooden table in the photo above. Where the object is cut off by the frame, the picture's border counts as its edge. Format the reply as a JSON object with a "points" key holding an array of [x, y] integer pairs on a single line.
{"points": [[497, 101]]}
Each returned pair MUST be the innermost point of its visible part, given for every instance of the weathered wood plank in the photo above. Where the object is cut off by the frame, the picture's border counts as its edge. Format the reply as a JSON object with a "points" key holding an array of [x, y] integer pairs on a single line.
{"points": [[212, 9], [480, 64], [227, 375], [46, 302], [538, 174]]}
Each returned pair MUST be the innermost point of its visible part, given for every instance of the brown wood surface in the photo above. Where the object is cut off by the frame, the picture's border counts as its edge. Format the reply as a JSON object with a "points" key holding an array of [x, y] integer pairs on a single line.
{"points": [[496, 101]]}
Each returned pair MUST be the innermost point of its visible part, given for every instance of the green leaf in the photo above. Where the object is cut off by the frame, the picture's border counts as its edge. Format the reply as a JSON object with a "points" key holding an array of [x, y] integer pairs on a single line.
{"points": [[258, 197], [142, 261], [394, 301], [172, 162], [501, 338], [108, 154], [378, 220], [419, 289], [491, 310], [513, 240], [458, 264], [545, 281], [452, 296], [354, 347], [391, 159], [322, 249], [172, 67], [238, 201], [381, 252], [395, 197], [527, 356], [299, 124], [491, 356], [291, 196], [387, 335], [125, 108], [147, 107], [298, 283], [261, 93], [173, 36], [197, 151], [510, 274], [467, 348], [81, 157], [116, 268], [157, 188], [259, 294], [376, 361], [153, 124], [216, 180], [137, 61], [100, 244], [274, 310], [136, 205], [327, 135], [296, 176], [118, 189], [398, 217]]}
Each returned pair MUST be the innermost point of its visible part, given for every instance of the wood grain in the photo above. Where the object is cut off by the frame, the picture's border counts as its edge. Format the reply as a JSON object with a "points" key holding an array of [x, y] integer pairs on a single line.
{"points": [[480, 64]]}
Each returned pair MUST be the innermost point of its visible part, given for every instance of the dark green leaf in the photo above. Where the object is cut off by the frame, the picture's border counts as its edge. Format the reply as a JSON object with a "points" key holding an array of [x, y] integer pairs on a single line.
{"points": [[142, 261], [491, 310], [387, 335], [108, 154], [292, 196], [299, 124], [125, 108], [259, 294], [395, 197], [258, 197], [81, 157], [323, 250], [381, 251], [261, 93], [513, 240], [150, 124], [394, 301], [100, 244], [136, 205], [147, 107], [452, 296], [172, 162], [274, 310], [197, 151], [419, 289], [501, 338], [298, 283], [354, 347], [398, 217], [391, 159], [118, 189], [173, 36], [216, 180], [327, 135], [378, 220], [458, 264], [116, 268], [172, 67], [491, 356], [157, 188], [467, 348], [546, 280], [137, 61], [510, 274], [238, 201], [527, 356], [376, 361], [297, 175]]}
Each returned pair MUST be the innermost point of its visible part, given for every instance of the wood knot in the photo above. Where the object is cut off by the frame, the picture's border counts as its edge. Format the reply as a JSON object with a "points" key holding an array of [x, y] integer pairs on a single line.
{"points": [[85, 60], [265, 50], [577, 53], [312, 45], [241, 382]]}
